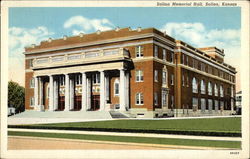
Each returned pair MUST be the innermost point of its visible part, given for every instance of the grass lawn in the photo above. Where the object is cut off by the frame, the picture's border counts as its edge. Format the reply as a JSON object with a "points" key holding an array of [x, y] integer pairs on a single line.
{"points": [[209, 125], [148, 140]]}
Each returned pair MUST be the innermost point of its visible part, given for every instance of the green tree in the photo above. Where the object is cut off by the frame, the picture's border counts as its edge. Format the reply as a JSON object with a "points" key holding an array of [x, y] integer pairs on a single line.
{"points": [[16, 96]]}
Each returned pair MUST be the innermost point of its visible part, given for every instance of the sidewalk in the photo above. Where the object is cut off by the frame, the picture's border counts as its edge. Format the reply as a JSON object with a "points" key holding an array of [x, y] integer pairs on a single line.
{"points": [[130, 134]]}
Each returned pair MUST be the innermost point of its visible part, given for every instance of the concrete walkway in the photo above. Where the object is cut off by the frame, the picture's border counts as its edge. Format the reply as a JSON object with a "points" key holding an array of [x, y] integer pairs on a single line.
{"points": [[131, 134]]}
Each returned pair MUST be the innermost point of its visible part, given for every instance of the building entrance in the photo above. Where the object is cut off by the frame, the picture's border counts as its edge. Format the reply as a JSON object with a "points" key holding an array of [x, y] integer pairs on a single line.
{"points": [[95, 102]]}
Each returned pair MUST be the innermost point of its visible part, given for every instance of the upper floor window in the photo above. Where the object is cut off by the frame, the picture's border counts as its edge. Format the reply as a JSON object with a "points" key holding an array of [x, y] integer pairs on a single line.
{"points": [[96, 78], [221, 74], [194, 85], [155, 98], [172, 79], [183, 59], [187, 81], [32, 83], [221, 91], [172, 57], [209, 88], [164, 54], [139, 76], [62, 80], [30, 63], [186, 60], [156, 76], [139, 51], [78, 79], [139, 99], [215, 90], [203, 87], [164, 77], [156, 48], [116, 87]]}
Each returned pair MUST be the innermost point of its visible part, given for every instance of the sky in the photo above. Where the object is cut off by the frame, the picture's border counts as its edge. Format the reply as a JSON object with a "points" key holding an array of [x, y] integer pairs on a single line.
{"points": [[198, 26]]}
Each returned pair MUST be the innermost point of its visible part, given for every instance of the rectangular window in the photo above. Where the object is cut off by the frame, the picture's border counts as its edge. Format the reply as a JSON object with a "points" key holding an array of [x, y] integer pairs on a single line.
{"points": [[172, 57], [155, 51], [155, 98], [187, 81], [139, 51], [156, 76], [187, 60], [183, 59], [139, 76], [164, 98], [32, 102], [172, 102], [32, 83], [139, 99], [183, 80], [116, 89], [203, 104], [222, 105], [31, 63], [96, 78], [195, 103], [164, 54], [216, 105], [164, 77], [172, 79], [210, 105]]}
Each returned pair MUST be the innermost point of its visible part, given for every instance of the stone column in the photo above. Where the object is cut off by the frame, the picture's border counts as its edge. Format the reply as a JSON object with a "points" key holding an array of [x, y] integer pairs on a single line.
{"points": [[84, 92], [36, 89], [122, 90], [102, 91], [127, 91], [107, 88], [51, 95], [55, 94], [41, 91], [88, 93], [71, 93], [66, 95]]}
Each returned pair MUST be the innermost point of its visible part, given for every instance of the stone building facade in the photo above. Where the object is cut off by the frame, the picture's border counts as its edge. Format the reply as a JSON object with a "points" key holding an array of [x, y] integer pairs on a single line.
{"points": [[141, 73]]}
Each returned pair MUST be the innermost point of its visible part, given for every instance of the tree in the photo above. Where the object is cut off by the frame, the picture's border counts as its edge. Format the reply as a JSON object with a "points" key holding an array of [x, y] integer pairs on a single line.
{"points": [[16, 96]]}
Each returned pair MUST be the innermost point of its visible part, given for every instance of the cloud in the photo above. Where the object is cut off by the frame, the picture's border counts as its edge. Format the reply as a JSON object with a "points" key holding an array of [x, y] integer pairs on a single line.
{"points": [[84, 25], [198, 35], [18, 39]]}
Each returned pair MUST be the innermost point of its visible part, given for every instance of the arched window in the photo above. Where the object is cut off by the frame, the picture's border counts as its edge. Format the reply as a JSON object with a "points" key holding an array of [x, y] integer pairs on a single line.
{"points": [[209, 88], [215, 90], [194, 85], [203, 87], [221, 91]]}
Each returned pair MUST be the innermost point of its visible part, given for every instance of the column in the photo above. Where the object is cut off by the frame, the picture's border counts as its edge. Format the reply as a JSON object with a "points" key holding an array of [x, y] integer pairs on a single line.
{"points": [[107, 88], [55, 91], [41, 92], [66, 93], [102, 91], [71, 93], [88, 93], [84, 92], [127, 91], [36, 89], [51, 91], [122, 90]]}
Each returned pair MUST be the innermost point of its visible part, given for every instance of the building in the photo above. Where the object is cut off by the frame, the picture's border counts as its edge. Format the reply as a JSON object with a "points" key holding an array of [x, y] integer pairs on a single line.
{"points": [[141, 73]]}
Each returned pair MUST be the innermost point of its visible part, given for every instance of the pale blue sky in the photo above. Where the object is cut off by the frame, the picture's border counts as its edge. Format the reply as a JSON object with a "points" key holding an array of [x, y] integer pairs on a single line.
{"points": [[54, 18], [198, 26]]}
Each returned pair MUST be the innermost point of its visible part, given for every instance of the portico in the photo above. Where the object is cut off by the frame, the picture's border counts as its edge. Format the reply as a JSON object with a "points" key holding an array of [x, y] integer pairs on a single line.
{"points": [[79, 82]]}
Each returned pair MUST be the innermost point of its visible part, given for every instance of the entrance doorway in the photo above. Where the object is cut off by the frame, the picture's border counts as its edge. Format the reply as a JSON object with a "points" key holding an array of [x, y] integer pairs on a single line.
{"points": [[95, 102]]}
